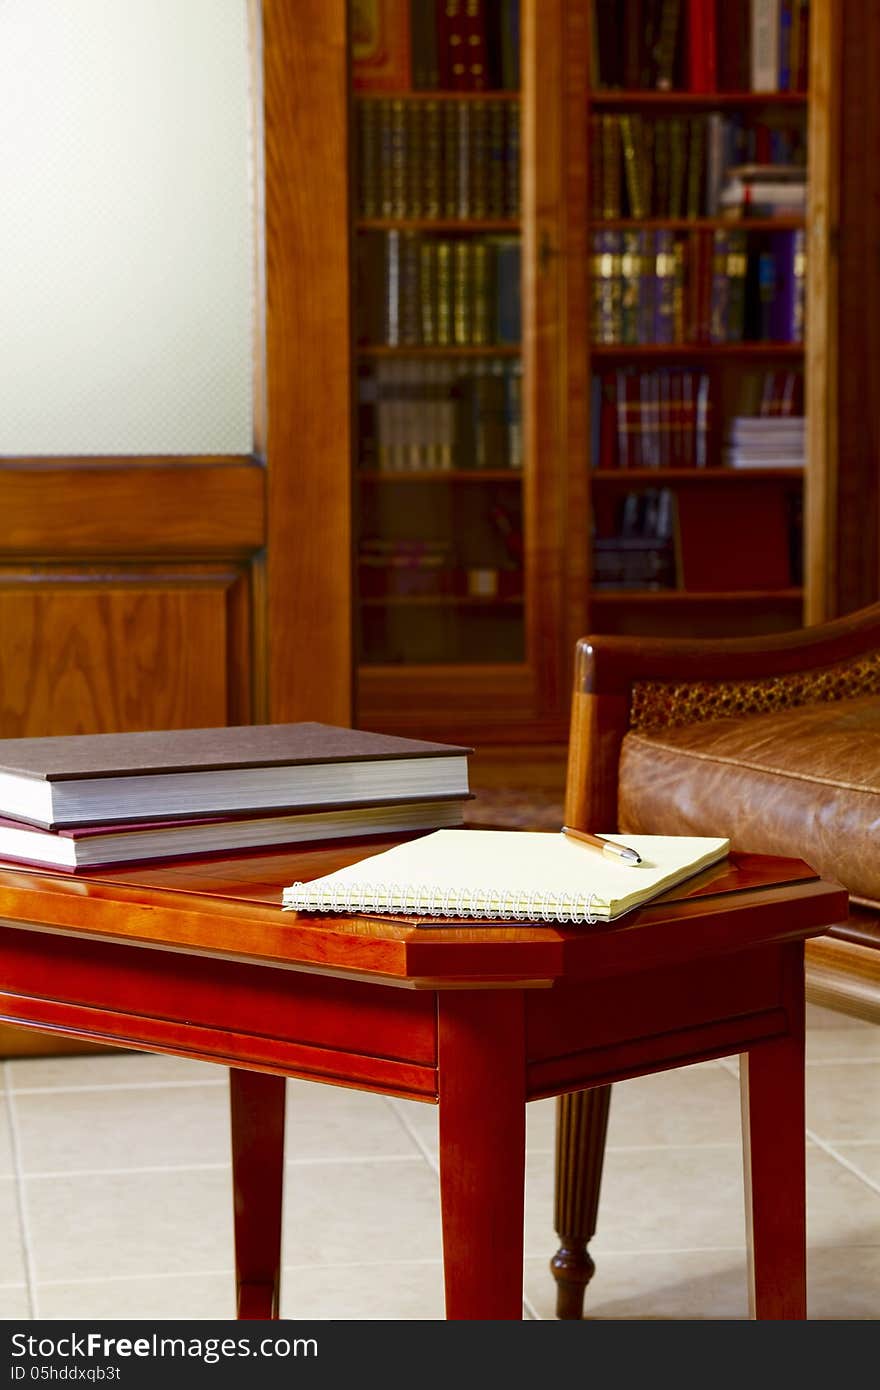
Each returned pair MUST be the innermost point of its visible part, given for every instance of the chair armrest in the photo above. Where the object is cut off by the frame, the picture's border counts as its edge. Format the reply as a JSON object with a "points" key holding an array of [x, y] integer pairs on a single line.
{"points": [[625, 683]]}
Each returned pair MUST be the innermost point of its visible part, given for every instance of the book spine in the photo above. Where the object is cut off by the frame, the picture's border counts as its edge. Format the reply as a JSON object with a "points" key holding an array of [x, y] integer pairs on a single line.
{"points": [[714, 162], [451, 45], [666, 271], [410, 292], [632, 30], [416, 157], [630, 288], [677, 165], [606, 286], [449, 117], [665, 49], [510, 31], [630, 134], [399, 159], [785, 25], [462, 293], [648, 287], [464, 113], [611, 167], [478, 165], [765, 45], [423, 42], [512, 165], [475, 46], [799, 290], [623, 384], [701, 433], [385, 159], [428, 291], [720, 306], [737, 267], [508, 296], [445, 374], [368, 158], [444, 294], [661, 168], [514, 407], [391, 328], [432, 171], [481, 292], [696, 158], [496, 157]]}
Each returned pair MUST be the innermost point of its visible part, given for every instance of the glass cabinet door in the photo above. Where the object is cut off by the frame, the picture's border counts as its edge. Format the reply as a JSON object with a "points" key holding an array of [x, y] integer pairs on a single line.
{"points": [[438, 324]]}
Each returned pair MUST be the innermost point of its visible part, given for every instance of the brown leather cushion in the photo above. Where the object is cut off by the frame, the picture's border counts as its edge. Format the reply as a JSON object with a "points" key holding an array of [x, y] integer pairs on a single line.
{"points": [[802, 782]]}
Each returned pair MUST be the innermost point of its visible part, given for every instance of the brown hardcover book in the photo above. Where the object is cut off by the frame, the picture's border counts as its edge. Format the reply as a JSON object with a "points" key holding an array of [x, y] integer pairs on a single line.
{"points": [[82, 779]]}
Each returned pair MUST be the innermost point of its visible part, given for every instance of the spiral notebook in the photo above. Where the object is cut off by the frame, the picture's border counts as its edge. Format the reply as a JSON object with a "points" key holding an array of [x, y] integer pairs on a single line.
{"points": [[518, 875]]}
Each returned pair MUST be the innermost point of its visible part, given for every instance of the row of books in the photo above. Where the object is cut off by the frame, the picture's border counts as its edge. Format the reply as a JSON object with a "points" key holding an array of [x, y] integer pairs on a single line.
{"points": [[721, 286], [641, 552], [454, 45], [766, 442], [422, 290], [421, 568], [701, 45], [85, 801], [654, 419], [678, 166], [438, 159], [437, 416], [663, 418]]}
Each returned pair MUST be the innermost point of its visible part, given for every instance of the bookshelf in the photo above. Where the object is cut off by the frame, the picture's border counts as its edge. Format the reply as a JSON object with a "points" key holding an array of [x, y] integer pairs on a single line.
{"points": [[626, 450]]}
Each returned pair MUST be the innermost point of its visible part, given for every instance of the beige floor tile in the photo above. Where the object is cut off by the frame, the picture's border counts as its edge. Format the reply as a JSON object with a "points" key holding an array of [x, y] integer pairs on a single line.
{"points": [[381, 1292], [864, 1157], [678, 1284], [12, 1269], [114, 1069], [841, 1209], [83, 1131], [168, 1296], [337, 1213], [689, 1198], [843, 1102], [837, 1044], [96, 1227], [819, 1017], [14, 1304], [334, 1122], [690, 1105]]}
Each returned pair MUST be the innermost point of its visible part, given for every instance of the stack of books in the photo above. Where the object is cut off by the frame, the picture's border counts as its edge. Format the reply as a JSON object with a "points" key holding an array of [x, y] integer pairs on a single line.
{"points": [[94, 800], [762, 441], [764, 190]]}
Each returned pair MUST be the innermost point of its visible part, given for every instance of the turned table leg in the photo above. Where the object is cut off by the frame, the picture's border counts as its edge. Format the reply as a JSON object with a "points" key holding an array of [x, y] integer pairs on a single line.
{"points": [[481, 1058], [581, 1126], [774, 1151], [256, 1104]]}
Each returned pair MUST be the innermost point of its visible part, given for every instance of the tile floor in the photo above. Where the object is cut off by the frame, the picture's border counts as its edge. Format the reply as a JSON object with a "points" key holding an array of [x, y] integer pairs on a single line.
{"points": [[115, 1193]]}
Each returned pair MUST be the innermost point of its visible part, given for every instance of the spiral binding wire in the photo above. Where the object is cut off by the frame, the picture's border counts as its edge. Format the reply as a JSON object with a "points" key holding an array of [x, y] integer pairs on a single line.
{"points": [[435, 901]]}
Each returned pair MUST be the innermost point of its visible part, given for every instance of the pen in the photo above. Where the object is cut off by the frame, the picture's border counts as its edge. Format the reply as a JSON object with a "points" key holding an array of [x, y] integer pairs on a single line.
{"points": [[629, 856]]}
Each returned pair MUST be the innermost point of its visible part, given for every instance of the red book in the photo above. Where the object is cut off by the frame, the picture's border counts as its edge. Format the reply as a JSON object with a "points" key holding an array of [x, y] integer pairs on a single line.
{"points": [[702, 47], [476, 48], [380, 46], [451, 45]]}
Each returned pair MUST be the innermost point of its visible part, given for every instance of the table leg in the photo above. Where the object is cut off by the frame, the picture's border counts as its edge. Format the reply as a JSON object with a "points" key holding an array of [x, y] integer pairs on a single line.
{"points": [[772, 1089], [482, 1151], [256, 1104], [581, 1127]]}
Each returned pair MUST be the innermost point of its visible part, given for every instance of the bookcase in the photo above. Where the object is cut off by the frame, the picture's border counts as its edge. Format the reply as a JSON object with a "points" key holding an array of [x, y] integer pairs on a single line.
{"points": [[584, 298]]}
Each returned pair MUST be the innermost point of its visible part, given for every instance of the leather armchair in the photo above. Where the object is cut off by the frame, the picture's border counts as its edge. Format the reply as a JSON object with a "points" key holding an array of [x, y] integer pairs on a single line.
{"points": [[772, 741]]}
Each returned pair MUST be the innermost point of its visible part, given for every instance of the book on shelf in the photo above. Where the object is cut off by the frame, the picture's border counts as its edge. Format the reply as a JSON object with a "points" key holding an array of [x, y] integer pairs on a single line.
{"points": [[380, 45], [700, 46], [427, 160], [420, 290], [103, 846], [651, 419], [498, 875], [775, 441], [436, 415], [90, 779], [642, 551], [696, 166], [724, 285]]}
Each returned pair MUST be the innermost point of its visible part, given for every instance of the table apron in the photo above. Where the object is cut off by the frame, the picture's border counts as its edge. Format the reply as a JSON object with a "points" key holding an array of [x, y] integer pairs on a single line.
{"points": [[230, 1012]]}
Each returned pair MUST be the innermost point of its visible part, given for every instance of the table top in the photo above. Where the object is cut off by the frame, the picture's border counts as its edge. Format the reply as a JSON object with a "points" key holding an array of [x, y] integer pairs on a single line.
{"points": [[231, 907]]}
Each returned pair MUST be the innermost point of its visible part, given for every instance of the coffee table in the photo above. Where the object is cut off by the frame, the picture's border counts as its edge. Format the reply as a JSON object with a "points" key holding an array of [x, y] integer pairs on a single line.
{"points": [[198, 960]]}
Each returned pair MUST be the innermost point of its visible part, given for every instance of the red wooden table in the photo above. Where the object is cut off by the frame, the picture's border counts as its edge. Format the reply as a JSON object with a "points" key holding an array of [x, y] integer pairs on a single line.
{"points": [[198, 960]]}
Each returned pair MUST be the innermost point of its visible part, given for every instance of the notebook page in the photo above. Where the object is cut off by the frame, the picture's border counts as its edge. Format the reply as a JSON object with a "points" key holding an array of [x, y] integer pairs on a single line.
{"points": [[508, 874]]}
